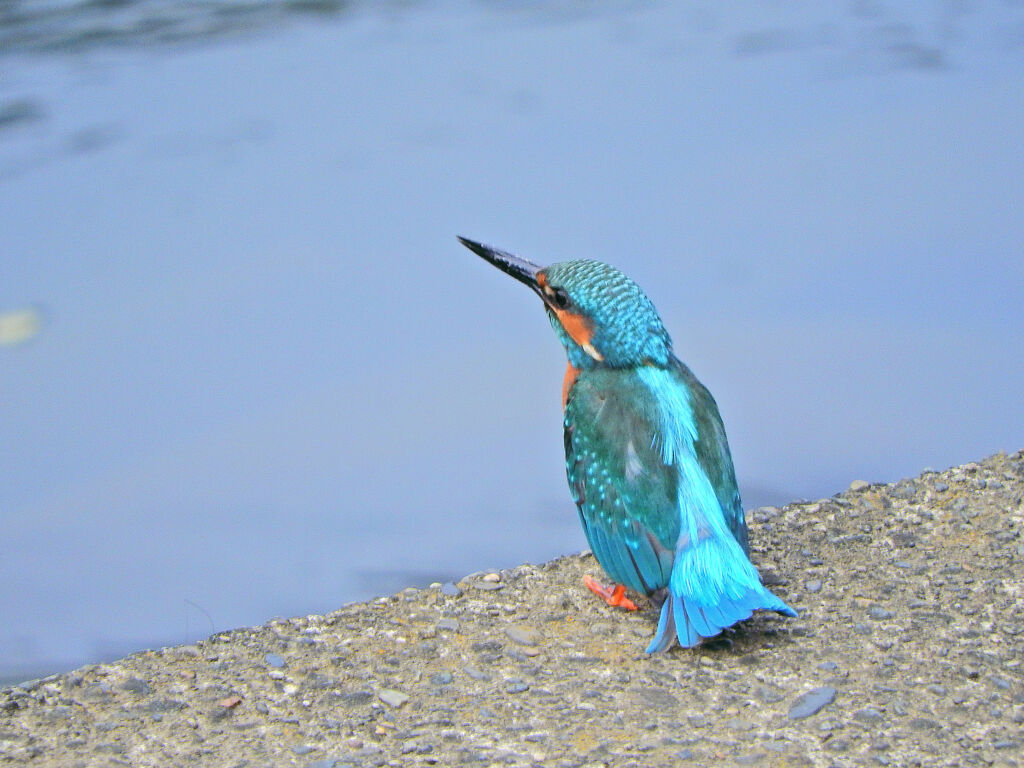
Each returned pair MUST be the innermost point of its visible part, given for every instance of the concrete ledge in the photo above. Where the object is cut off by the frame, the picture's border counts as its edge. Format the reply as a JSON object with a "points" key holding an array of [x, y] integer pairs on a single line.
{"points": [[908, 650]]}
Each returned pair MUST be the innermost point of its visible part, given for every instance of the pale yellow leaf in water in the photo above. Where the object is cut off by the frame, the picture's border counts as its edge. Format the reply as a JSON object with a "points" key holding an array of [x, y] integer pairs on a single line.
{"points": [[19, 325]]}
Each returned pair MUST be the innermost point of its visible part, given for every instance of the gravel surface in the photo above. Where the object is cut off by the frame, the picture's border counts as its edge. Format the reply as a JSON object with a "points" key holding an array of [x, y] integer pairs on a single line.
{"points": [[907, 651]]}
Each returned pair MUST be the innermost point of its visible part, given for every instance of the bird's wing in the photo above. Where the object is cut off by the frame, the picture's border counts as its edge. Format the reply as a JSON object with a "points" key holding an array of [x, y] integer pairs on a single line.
{"points": [[712, 452], [626, 495], [713, 583]]}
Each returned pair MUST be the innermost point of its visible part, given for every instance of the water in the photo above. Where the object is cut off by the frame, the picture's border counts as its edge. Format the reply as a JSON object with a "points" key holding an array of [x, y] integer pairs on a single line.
{"points": [[250, 372]]}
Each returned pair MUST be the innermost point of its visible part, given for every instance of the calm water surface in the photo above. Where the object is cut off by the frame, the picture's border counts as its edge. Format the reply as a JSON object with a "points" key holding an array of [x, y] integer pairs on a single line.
{"points": [[246, 370]]}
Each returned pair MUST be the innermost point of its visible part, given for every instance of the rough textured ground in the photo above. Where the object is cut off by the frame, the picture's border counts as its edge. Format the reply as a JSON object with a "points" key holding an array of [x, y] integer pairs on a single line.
{"points": [[907, 651]]}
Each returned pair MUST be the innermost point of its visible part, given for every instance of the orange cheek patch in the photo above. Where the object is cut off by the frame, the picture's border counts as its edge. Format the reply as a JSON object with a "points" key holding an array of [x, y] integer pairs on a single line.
{"points": [[577, 326], [570, 379]]}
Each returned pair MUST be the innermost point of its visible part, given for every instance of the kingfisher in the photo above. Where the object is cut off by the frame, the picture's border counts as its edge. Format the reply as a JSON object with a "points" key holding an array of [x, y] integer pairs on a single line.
{"points": [[646, 455]]}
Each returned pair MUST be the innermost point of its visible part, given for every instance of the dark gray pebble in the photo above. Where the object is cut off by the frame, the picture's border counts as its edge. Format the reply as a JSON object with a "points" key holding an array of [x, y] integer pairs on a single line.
{"points": [[137, 686], [476, 673], [768, 695], [488, 586], [753, 759], [516, 686], [868, 716], [442, 678], [450, 589], [484, 646], [812, 702], [523, 635], [878, 613], [904, 490]]}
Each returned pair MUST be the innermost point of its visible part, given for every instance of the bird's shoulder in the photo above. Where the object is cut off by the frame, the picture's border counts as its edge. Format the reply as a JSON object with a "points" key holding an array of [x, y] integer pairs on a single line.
{"points": [[612, 455], [711, 450]]}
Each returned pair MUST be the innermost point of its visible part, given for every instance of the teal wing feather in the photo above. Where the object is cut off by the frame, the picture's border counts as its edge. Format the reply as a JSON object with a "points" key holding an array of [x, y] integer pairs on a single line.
{"points": [[713, 583], [625, 494], [712, 452]]}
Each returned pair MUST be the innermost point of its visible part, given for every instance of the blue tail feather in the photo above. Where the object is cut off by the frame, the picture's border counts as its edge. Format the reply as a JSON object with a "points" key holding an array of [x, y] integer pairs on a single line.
{"points": [[663, 637], [713, 586], [699, 622], [684, 628]]}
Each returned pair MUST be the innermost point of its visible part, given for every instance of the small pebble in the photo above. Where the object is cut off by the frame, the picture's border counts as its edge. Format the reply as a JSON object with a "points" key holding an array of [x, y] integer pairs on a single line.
{"points": [[449, 589], [739, 724], [475, 673], [137, 686], [488, 586], [392, 697], [868, 716], [878, 613], [769, 696], [859, 485], [522, 635], [813, 586], [812, 702], [273, 660], [1000, 682]]}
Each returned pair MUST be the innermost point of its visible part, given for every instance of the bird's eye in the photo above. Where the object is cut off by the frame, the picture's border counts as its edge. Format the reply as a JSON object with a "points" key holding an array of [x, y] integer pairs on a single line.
{"points": [[560, 298]]}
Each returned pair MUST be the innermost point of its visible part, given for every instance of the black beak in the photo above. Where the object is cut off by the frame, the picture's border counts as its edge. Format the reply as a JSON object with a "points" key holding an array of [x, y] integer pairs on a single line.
{"points": [[522, 270]]}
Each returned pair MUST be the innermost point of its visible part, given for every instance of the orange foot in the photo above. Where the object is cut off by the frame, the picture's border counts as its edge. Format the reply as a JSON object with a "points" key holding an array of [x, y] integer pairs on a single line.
{"points": [[614, 597]]}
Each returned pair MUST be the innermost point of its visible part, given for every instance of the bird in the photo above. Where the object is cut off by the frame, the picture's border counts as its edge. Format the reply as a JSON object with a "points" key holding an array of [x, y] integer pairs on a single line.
{"points": [[646, 455]]}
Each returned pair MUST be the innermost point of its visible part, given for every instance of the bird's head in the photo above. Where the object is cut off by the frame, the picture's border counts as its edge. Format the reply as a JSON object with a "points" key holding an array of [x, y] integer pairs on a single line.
{"points": [[601, 316]]}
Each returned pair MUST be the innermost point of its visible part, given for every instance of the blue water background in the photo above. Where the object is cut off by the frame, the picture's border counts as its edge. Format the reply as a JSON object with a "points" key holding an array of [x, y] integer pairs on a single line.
{"points": [[268, 380]]}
